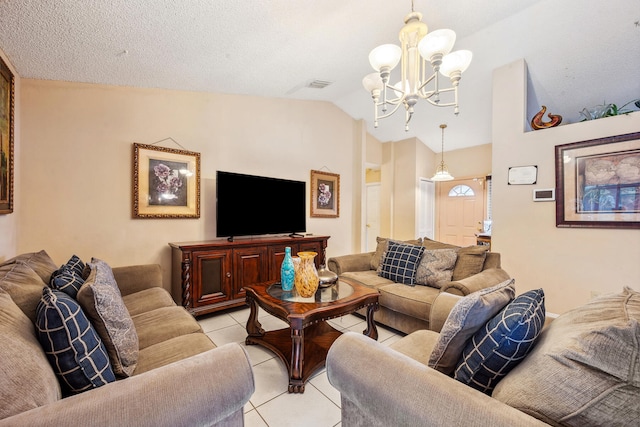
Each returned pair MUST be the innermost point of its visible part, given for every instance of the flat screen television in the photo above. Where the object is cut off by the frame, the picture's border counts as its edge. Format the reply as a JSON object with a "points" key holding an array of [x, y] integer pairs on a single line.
{"points": [[250, 205]]}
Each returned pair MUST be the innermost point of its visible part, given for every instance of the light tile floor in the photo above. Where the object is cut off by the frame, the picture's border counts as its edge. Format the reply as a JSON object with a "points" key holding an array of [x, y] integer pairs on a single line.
{"points": [[271, 405]]}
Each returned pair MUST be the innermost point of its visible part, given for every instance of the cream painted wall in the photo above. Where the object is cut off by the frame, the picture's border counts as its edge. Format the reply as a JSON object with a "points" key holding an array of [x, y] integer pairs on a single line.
{"points": [[9, 222], [76, 164], [568, 263], [472, 162]]}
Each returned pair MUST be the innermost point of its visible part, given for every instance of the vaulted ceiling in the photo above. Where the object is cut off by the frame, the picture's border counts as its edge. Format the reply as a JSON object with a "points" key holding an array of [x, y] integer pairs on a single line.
{"points": [[580, 53]]}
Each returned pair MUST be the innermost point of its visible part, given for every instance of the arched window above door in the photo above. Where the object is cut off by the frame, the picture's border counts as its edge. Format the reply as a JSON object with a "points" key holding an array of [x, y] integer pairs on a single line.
{"points": [[461, 191]]}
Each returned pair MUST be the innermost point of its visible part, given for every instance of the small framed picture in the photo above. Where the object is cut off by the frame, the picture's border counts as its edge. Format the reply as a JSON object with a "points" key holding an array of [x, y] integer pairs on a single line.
{"points": [[166, 182], [325, 194], [7, 106]]}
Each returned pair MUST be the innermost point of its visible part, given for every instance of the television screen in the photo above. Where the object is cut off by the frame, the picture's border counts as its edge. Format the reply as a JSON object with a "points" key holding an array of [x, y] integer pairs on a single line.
{"points": [[249, 205]]}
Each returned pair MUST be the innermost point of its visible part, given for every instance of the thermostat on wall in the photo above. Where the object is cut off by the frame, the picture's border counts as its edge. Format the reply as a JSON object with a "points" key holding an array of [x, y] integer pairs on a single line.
{"points": [[544, 195]]}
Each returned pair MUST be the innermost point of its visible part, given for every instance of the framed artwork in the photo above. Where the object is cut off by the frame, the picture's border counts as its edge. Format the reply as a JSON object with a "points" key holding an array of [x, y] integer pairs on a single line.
{"points": [[598, 183], [325, 194], [166, 182], [7, 91]]}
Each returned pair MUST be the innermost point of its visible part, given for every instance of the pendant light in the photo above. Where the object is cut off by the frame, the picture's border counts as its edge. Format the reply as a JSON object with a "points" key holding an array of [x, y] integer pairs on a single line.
{"points": [[442, 173]]}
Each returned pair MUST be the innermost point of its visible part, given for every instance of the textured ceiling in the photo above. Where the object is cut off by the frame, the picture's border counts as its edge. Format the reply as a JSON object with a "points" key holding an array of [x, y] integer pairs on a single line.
{"points": [[580, 52]]}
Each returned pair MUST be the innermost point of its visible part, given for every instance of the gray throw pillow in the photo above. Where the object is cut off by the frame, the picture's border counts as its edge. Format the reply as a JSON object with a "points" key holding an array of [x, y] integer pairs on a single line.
{"points": [[102, 302], [436, 267], [468, 315]]}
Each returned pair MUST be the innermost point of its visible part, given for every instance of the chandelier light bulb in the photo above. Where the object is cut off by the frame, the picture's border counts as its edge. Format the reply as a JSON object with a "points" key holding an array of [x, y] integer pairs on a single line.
{"points": [[456, 61], [437, 42], [372, 82], [385, 56]]}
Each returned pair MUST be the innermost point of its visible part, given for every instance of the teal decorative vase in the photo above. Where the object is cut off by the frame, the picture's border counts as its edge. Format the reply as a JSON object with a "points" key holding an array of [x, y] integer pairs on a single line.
{"points": [[287, 271]]}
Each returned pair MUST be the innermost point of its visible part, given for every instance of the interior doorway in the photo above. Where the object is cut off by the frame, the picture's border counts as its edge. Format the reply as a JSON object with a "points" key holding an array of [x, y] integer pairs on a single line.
{"points": [[461, 205], [372, 228], [426, 209]]}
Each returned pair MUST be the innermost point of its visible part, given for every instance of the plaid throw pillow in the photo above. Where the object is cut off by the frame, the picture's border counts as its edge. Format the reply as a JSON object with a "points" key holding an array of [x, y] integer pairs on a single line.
{"points": [[72, 346], [503, 342], [400, 263]]}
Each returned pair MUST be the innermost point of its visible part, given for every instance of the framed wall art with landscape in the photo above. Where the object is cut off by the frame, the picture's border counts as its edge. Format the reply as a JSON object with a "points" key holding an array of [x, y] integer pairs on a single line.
{"points": [[325, 194], [598, 183], [166, 182], [7, 90]]}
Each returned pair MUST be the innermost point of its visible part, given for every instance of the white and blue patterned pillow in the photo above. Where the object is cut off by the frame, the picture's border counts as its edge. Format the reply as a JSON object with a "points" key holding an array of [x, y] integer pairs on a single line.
{"points": [[73, 348], [401, 262], [502, 343]]}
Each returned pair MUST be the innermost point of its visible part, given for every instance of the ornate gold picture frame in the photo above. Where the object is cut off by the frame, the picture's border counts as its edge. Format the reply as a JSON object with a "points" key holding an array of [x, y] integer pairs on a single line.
{"points": [[166, 182], [325, 194], [7, 90]]}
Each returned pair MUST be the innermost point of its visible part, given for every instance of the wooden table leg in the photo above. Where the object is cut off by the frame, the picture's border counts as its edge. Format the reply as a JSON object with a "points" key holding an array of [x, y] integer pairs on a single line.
{"points": [[296, 383], [254, 328], [372, 330]]}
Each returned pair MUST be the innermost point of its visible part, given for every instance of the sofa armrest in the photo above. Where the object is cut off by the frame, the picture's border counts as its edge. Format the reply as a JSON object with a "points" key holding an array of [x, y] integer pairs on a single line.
{"points": [[200, 390], [484, 279], [404, 392], [442, 306], [136, 278], [352, 262]]}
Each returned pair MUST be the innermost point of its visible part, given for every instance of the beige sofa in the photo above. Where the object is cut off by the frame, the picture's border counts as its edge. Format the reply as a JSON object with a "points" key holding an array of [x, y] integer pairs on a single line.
{"points": [[180, 378], [408, 308], [584, 370]]}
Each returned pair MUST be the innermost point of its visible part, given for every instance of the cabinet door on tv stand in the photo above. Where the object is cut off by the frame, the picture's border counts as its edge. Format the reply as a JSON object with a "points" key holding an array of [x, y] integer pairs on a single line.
{"points": [[211, 277], [250, 266]]}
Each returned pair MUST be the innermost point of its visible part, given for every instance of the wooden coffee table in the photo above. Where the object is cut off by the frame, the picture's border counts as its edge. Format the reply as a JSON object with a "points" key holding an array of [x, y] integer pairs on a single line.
{"points": [[303, 346]]}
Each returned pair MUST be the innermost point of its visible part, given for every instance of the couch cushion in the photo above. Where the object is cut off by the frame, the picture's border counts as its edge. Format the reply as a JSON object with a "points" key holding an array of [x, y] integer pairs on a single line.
{"points": [[434, 244], [24, 285], [414, 301], [175, 321], [470, 261], [100, 299], [436, 267], [381, 248], [40, 262], [26, 378], [417, 345], [585, 369], [172, 350], [147, 300], [502, 343], [367, 278], [71, 344], [401, 262], [466, 317]]}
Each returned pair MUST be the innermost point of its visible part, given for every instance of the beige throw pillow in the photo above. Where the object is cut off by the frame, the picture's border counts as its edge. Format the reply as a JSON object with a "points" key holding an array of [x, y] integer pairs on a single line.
{"points": [[436, 267], [24, 285], [468, 315], [585, 368], [102, 302], [470, 261]]}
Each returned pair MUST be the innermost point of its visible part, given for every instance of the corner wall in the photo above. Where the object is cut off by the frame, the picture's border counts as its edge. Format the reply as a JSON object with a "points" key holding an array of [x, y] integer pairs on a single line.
{"points": [[568, 263]]}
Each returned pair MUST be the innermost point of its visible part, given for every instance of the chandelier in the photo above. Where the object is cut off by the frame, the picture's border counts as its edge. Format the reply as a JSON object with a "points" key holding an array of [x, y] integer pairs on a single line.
{"points": [[415, 50], [442, 173]]}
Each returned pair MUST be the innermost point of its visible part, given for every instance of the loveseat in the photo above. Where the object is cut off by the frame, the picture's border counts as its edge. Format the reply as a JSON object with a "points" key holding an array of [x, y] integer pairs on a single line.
{"points": [[174, 375], [407, 307], [582, 369]]}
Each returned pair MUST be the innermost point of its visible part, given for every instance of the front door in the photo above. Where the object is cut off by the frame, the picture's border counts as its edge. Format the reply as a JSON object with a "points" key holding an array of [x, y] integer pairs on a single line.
{"points": [[461, 210]]}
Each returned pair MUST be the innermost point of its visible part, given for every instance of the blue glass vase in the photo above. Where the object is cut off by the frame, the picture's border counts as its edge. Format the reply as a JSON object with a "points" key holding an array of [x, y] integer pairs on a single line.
{"points": [[287, 271]]}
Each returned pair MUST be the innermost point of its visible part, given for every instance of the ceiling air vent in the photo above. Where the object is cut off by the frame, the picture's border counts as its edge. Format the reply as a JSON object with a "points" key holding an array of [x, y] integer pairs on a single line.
{"points": [[318, 84]]}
